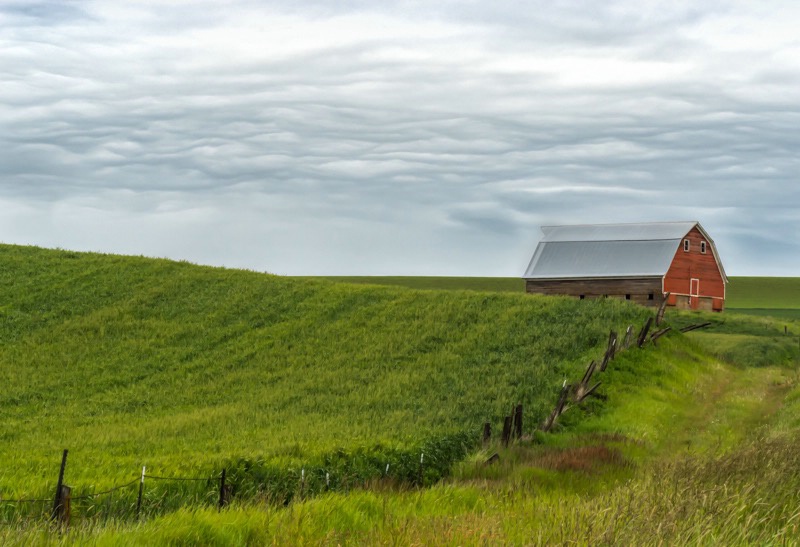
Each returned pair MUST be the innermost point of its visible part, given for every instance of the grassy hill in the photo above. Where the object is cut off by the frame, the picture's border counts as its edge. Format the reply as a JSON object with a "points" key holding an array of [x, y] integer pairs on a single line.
{"points": [[132, 361]]}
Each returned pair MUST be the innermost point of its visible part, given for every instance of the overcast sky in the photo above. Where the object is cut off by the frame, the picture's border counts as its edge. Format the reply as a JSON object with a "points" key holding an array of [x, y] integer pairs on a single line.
{"points": [[409, 138]]}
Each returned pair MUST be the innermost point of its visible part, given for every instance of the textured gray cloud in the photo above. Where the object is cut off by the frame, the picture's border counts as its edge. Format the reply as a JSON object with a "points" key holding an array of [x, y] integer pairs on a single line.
{"points": [[417, 138]]}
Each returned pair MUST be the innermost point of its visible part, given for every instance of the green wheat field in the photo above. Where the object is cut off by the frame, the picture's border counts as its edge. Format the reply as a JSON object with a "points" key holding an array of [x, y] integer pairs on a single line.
{"points": [[320, 396]]}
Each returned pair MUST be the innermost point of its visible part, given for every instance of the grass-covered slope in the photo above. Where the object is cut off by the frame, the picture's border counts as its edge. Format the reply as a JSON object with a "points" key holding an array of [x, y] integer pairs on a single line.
{"points": [[129, 361], [686, 450]]}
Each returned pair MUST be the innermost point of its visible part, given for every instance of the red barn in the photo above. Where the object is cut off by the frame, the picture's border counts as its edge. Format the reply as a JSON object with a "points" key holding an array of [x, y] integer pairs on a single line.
{"points": [[638, 262]]}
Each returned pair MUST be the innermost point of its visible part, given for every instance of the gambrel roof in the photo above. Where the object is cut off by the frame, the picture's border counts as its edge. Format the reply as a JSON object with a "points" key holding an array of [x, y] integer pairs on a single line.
{"points": [[610, 250]]}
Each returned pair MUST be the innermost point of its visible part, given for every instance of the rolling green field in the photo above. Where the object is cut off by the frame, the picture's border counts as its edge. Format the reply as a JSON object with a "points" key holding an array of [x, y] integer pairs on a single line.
{"points": [[185, 369], [685, 450], [131, 361]]}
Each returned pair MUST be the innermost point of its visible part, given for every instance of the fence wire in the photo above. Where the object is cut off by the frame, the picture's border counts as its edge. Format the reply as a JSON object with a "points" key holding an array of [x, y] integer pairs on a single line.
{"points": [[23, 501], [94, 494], [180, 478]]}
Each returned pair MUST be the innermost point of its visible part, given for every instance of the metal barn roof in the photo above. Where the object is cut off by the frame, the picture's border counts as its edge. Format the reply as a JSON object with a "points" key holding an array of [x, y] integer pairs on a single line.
{"points": [[607, 250], [618, 232]]}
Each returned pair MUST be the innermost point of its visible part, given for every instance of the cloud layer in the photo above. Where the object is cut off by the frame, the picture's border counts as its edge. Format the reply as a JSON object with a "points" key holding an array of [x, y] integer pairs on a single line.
{"points": [[428, 138]]}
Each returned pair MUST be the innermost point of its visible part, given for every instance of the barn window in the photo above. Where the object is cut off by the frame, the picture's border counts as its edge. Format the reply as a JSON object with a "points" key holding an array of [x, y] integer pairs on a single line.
{"points": [[583, 296], [651, 296], [685, 245], [703, 247], [627, 297]]}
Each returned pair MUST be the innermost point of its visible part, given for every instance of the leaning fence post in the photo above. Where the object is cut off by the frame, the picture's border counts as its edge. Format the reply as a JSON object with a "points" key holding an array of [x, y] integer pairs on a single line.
{"points": [[141, 490], [662, 308], [628, 337], [58, 504], [643, 334], [518, 421], [559, 408], [487, 433], [611, 350]]}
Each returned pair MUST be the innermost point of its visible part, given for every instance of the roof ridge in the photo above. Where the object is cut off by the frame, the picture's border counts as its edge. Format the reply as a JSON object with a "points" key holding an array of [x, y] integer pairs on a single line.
{"points": [[621, 224]]}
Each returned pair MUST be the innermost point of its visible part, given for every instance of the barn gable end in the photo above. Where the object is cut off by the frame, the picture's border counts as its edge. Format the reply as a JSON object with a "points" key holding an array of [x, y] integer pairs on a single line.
{"points": [[696, 279]]}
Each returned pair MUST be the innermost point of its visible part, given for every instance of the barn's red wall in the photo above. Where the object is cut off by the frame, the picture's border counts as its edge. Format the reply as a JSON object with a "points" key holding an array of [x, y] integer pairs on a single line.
{"points": [[694, 264]]}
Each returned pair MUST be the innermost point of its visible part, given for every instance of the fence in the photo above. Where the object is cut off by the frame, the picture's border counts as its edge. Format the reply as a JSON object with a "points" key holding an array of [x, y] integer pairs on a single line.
{"points": [[124, 500], [577, 393], [131, 500], [137, 499]]}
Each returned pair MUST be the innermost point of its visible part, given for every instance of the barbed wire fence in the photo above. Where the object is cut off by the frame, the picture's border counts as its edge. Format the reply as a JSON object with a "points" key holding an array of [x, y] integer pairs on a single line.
{"points": [[137, 501], [64, 507]]}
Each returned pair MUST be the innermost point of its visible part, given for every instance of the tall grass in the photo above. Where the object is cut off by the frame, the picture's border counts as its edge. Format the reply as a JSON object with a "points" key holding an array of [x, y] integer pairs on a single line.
{"points": [[748, 497], [304, 390], [130, 361]]}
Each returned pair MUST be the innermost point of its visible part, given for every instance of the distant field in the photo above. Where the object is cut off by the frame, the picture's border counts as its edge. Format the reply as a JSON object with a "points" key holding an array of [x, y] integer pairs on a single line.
{"points": [[770, 296], [769, 312], [494, 284], [773, 296]]}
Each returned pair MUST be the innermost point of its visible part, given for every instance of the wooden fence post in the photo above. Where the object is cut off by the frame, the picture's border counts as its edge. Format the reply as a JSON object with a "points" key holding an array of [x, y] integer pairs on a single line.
{"points": [[65, 508], [661, 309], [224, 491], [582, 390], [658, 334], [559, 408], [58, 503], [139, 498], [628, 337], [611, 350], [487, 433], [506, 430], [643, 334], [690, 328], [518, 421]]}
